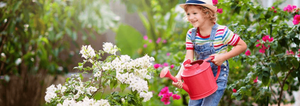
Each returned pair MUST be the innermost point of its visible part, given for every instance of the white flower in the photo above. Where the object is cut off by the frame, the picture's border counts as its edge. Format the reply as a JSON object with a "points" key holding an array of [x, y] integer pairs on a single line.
{"points": [[103, 102], [122, 77], [87, 52], [2, 4], [3, 55], [50, 93], [63, 89], [76, 96], [147, 96], [93, 89], [110, 48], [18, 61], [97, 74], [59, 87]]}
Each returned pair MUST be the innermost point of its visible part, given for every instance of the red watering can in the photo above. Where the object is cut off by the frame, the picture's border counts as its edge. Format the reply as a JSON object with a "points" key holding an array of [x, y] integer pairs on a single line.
{"points": [[198, 78]]}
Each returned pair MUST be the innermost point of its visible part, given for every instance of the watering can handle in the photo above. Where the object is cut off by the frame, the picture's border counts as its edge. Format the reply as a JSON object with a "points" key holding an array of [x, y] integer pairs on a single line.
{"points": [[186, 63], [219, 67], [218, 73]]}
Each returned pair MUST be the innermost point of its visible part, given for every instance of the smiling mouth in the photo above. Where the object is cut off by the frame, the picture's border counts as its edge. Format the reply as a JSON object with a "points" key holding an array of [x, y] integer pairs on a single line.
{"points": [[193, 22]]}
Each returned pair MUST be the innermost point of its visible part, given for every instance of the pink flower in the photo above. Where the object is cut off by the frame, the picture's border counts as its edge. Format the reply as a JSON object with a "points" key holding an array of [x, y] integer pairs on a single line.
{"points": [[177, 97], [168, 94], [168, 54], [163, 91], [164, 41], [255, 80], [247, 53], [220, 10], [166, 64], [156, 66], [258, 45], [271, 39], [265, 38], [145, 45], [234, 90], [145, 37], [215, 2], [289, 8], [296, 19], [158, 40], [273, 8], [150, 40], [165, 100], [290, 52], [172, 66], [298, 55], [262, 50]]}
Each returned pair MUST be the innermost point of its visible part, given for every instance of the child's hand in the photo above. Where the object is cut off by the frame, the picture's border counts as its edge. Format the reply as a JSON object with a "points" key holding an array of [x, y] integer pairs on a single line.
{"points": [[178, 84], [218, 60]]}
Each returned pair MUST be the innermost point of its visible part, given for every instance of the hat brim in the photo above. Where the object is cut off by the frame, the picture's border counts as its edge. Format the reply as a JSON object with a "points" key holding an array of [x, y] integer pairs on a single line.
{"points": [[213, 8]]}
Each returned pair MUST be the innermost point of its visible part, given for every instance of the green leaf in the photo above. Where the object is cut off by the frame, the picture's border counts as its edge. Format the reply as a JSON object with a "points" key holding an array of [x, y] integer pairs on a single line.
{"points": [[128, 39], [295, 63], [113, 83], [123, 86], [265, 80], [275, 67], [16, 6], [285, 87]]}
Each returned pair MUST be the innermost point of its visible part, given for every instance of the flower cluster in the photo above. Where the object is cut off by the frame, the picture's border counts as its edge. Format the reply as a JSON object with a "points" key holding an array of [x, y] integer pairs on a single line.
{"points": [[248, 53], [110, 48], [290, 8], [262, 45], [87, 52], [85, 102], [290, 52], [69, 93], [166, 95], [132, 73], [215, 2], [273, 9], [158, 40], [219, 10], [156, 66], [296, 19]]}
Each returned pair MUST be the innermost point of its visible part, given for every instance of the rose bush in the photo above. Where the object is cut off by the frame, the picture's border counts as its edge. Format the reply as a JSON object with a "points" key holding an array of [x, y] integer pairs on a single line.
{"points": [[266, 70]]}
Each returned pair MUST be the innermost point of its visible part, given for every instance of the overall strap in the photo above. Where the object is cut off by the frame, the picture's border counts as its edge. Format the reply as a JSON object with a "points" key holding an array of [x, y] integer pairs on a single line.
{"points": [[213, 32], [193, 36]]}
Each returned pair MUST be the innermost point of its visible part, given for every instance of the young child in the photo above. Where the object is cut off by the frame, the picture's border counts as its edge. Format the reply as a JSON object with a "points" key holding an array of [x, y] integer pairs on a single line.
{"points": [[207, 38]]}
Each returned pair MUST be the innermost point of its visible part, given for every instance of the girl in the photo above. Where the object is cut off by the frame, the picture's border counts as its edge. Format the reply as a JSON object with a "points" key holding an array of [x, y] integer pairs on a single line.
{"points": [[207, 38]]}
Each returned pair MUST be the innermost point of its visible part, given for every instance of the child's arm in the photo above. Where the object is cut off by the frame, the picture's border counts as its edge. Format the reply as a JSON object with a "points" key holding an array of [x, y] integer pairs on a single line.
{"points": [[238, 49], [189, 55]]}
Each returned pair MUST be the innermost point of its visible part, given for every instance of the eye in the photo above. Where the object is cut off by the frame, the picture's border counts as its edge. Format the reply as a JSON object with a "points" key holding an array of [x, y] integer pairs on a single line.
{"points": [[194, 13], [188, 14]]}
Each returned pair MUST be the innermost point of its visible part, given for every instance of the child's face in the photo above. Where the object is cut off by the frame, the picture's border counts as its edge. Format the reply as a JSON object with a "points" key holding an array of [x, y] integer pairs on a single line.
{"points": [[195, 16]]}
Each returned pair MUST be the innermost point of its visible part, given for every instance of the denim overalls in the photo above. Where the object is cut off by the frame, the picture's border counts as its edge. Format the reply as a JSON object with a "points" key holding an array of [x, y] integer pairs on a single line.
{"points": [[202, 52]]}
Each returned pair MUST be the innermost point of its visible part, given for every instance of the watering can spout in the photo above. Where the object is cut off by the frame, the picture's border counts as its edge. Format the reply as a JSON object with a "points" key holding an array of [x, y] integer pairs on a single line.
{"points": [[166, 73]]}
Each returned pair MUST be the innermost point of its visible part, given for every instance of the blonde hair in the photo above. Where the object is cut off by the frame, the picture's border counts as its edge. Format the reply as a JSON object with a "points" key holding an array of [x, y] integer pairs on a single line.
{"points": [[208, 13]]}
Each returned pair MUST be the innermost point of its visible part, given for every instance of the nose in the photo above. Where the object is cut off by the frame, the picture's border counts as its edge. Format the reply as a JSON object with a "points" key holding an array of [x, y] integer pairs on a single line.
{"points": [[190, 17]]}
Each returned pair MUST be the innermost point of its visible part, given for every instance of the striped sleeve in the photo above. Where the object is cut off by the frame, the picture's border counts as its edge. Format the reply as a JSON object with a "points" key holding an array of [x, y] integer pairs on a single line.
{"points": [[188, 42], [230, 38]]}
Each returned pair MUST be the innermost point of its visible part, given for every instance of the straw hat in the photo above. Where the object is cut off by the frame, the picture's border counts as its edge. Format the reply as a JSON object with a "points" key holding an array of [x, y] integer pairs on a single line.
{"points": [[205, 3]]}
